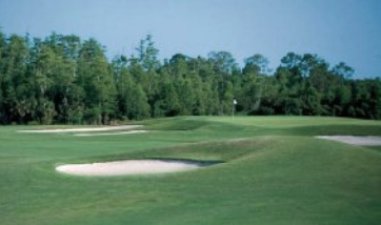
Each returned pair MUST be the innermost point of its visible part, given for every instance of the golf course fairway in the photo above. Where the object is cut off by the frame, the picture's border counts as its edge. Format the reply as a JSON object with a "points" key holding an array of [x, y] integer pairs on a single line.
{"points": [[263, 170]]}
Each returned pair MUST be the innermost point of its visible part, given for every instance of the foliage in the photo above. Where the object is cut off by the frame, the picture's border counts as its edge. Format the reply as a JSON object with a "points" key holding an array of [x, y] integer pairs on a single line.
{"points": [[63, 79]]}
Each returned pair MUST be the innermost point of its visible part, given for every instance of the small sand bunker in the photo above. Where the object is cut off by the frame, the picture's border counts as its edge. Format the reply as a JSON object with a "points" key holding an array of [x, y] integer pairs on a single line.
{"points": [[128, 167], [111, 133], [83, 129], [355, 140]]}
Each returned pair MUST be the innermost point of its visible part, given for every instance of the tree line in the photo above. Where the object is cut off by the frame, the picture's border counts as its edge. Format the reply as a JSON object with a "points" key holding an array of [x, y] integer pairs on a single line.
{"points": [[62, 79]]}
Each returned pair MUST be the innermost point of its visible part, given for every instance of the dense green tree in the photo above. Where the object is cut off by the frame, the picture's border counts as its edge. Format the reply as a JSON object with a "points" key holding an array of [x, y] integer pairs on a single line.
{"points": [[253, 83], [97, 81], [132, 100], [310, 100], [2, 49], [343, 71], [15, 83], [61, 79], [44, 69], [147, 54], [269, 102], [256, 64], [168, 103], [223, 61]]}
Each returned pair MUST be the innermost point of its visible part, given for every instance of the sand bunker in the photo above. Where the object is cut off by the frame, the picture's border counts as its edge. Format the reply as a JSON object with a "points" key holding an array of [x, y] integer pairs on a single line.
{"points": [[128, 167], [355, 140], [110, 133], [83, 129]]}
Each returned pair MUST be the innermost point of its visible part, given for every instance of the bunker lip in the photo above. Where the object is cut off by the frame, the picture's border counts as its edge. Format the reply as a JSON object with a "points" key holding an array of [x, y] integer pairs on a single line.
{"points": [[83, 129], [130, 167], [354, 140], [110, 133]]}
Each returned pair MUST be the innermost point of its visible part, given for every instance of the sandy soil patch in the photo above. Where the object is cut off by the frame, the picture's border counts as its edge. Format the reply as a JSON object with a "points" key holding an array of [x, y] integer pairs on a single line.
{"points": [[127, 167], [110, 133], [355, 140], [83, 129]]}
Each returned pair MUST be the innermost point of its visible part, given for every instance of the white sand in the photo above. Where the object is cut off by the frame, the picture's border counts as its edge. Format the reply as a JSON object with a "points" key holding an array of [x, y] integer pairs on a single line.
{"points": [[355, 140], [127, 167], [110, 133], [83, 129]]}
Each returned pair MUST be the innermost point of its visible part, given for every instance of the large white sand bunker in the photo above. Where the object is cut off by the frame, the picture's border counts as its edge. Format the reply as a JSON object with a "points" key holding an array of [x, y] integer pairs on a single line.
{"points": [[355, 140], [83, 129], [127, 167]]}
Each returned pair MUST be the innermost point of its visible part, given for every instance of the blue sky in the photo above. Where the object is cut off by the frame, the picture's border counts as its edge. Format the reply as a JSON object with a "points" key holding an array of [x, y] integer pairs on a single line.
{"points": [[337, 30]]}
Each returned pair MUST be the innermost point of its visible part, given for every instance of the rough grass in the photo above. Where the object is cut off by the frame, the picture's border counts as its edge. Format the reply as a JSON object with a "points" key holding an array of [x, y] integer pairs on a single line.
{"points": [[273, 172]]}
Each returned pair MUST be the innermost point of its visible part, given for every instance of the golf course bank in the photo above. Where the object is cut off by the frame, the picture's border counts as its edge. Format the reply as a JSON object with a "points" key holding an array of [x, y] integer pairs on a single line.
{"points": [[241, 170]]}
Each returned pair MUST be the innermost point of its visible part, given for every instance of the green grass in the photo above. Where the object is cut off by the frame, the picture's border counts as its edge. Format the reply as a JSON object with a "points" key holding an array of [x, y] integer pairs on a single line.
{"points": [[273, 171]]}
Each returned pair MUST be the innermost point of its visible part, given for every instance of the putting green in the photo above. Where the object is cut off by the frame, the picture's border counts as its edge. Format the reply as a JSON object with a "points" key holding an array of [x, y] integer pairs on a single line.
{"points": [[273, 171]]}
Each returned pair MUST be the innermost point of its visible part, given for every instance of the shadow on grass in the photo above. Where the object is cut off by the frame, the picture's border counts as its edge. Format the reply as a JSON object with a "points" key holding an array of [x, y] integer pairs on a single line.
{"points": [[201, 163], [179, 124], [335, 130]]}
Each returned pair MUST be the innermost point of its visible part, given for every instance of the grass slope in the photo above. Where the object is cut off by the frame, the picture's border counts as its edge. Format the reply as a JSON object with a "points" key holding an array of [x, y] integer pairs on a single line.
{"points": [[273, 172]]}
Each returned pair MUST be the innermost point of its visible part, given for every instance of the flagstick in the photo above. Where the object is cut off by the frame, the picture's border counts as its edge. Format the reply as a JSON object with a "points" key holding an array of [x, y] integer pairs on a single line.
{"points": [[234, 104]]}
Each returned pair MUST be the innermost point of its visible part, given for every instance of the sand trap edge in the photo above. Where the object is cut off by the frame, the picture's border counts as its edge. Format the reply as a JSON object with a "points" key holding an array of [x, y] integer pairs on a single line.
{"points": [[82, 129], [128, 167], [110, 133], [354, 140]]}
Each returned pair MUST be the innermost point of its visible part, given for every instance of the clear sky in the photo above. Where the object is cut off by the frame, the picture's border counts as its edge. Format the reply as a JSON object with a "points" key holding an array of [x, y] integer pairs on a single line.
{"points": [[337, 30]]}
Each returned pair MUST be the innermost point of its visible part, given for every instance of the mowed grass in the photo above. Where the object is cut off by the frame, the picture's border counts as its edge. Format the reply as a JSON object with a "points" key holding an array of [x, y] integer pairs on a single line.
{"points": [[271, 171]]}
